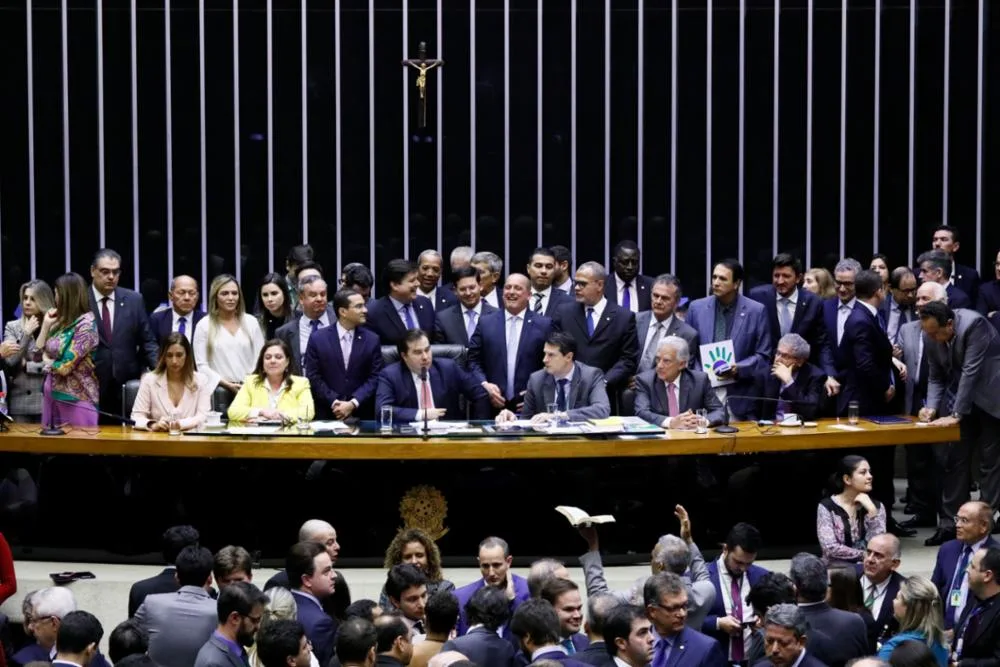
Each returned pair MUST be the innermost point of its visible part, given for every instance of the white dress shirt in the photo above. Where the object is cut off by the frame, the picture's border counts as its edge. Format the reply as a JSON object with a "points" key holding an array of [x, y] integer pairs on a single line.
{"points": [[512, 346], [726, 587], [305, 330], [566, 285], [866, 585], [546, 294], [233, 356], [100, 312], [633, 293], [491, 298], [432, 295], [598, 311], [843, 312]]}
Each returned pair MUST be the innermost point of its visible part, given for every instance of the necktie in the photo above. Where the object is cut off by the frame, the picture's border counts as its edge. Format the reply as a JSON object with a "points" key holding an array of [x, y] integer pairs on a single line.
{"points": [[182, 326], [736, 643], [649, 356], [561, 395], [345, 347], [785, 316], [626, 296], [870, 600], [590, 321], [538, 302], [660, 652], [106, 319], [568, 645], [408, 318], [426, 398], [951, 613], [470, 327], [512, 340], [842, 314], [719, 330], [313, 327], [672, 406], [418, 627]]}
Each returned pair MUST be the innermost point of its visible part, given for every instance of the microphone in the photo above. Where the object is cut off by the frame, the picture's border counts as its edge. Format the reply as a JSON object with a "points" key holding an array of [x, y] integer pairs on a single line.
{"points": [[52, 429], [726, 428], [423, 381]]}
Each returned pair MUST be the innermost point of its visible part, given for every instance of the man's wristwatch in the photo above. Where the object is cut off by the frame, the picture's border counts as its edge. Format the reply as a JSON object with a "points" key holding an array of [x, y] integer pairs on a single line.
{"points": [[957, 416]]}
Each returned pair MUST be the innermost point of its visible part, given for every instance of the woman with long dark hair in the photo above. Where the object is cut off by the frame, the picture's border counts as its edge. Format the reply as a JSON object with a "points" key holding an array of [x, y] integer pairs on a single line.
{"points": [[274, 304], [849, 517], [173, 389], [271, 392]]}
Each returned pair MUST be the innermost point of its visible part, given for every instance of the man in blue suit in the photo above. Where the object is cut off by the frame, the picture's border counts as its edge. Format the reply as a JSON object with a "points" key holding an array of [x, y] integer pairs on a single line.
{"points": [[835, 313], [429, 277], [733, 574], [787, 637], [728, 315], [951, 574], [792, 384], [311, 576], [965, 278], [343, 362], [127, 346], [866, 375], [401, 309], [936, 266], [486, 612], [626, 287], [677, 645], [792, 309], [564, 596], [183, 315], [898, 308], [413, 398], [457, 323], [536, 626], [495, 560]]}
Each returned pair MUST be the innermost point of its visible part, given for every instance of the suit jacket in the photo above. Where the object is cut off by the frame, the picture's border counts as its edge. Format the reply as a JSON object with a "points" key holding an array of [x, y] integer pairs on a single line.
{"points": [[886, 625], [957, 298], [560, 656], [981, 644], [910, 337], [967, 280], [971, 370], [867, 364], [612, 348], [215, 654], [944, 569], [289, 332], [330, 381], [807, 322], [752, 344], [164, 582], [162, 322], [488, 350], [695, 393], [335, 605], [449, 323], [806, 393], [444, 297], [384, 320], [397, 388], [691, 648], [846, 627], [178, 624], [678, 327], [643, 288], [465, 593], [885, 310], [320, 628], [132, 347], [33, 652], [557, 297], [988, 300], [152, 402], [586, 397], [596, 654], [808, 660], [24, 390], [483, 647], [718, 608]]}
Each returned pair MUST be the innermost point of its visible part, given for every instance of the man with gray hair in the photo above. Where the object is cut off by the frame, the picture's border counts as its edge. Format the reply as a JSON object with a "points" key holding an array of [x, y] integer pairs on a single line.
{"points": [[541, 571], [316, 314], [599, 608], [671, 394], [461, 257], [652, 326], [666, 600], [785, 635], [490, 268], [935, 267], [792, 385], [49, 607], [836, 312], [811, 582]]}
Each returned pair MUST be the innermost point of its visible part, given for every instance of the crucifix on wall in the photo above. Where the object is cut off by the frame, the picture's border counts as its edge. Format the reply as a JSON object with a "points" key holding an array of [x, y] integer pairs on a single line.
{"points": [[423, 65]]}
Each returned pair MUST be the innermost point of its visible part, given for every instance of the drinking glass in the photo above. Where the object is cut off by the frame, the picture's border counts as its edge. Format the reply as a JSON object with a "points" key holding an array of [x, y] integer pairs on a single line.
{"points": [[553, 409], [852, 412], [385, 419], [173, 423], [702, 415]]}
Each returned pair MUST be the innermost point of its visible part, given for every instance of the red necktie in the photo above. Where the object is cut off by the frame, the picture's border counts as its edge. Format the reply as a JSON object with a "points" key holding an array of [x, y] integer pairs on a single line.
{"points": [[736, 643], [425, 394], [106, 319]]}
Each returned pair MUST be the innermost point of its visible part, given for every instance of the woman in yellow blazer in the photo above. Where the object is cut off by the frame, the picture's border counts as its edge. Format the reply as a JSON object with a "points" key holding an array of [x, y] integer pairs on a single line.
{"points": [[272, 393]]}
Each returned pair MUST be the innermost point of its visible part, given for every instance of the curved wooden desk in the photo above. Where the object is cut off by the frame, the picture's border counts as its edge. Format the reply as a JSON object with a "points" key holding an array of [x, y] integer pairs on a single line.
{"points": [[752, 438]]}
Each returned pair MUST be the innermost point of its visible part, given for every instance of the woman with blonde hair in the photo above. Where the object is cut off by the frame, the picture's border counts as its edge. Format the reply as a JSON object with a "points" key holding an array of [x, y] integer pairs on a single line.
{"points": [[227, 341], [272, 393], [24, 376], [416, 547], [280, 607], [172, 390], [917, 607], [819, 282]]}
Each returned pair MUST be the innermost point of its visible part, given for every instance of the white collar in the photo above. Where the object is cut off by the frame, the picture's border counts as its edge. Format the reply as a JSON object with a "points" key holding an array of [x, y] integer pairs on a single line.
{"points": [[547, 649], [619, 662], [341, 331], [849, 305], [878, 587], [545, 292], [98, 296], [568, 377], [666, 323], [792, 299]]}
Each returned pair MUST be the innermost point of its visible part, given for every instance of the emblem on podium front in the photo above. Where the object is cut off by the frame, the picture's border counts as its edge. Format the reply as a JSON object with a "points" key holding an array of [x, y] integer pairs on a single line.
{"points": [[425, 508]]}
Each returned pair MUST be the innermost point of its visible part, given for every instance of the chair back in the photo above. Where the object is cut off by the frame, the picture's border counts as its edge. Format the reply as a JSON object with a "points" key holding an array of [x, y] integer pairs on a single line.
{"points": [[457, 353], [129, 391]]}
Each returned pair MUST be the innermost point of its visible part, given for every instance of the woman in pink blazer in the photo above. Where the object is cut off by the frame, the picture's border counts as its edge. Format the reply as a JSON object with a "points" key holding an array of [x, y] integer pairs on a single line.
{"points": [[172, 388]]}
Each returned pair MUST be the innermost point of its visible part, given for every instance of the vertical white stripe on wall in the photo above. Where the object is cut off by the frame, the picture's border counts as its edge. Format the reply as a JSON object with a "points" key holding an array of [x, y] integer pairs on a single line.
{"points": [[472, 124], [640, 136], [775, 141], [876, 176], [708, 146], [134, 92], [202, 149], [371, 132], [305, 129], [406, 133], [809, 133], [339, 208], [101, 200], [506, 129], [607, 131], [979, 132], [29, 29], [673, 137], [910, 140], [236, 141], [539, 129], [946, 120], [65, 123], [843, 122], [742, 126], [168, 56], [270, 136], [439, 136], [572, 130]]}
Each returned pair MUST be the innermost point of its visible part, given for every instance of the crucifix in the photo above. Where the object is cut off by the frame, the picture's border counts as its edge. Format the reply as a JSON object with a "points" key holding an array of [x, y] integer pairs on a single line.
{"points": [[423, 65]]}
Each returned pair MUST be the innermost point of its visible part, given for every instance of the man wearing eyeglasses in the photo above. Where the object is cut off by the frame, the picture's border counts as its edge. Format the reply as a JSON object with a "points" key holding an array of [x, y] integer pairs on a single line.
{"points": [[127, 345], [240, 609], [951, 569], [666, 601]]}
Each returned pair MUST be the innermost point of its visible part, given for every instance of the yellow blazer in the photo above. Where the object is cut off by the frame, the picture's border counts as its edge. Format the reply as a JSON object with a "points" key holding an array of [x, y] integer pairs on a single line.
{"points": [[254, 397]]}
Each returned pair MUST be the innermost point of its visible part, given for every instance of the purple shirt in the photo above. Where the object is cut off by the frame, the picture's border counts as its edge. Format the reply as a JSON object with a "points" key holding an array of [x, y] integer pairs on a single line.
{"points": [[233, 647]]}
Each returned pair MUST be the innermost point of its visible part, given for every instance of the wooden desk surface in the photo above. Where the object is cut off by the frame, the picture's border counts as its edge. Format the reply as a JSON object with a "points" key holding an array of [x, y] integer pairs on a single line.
{"points": [[117, 441]]}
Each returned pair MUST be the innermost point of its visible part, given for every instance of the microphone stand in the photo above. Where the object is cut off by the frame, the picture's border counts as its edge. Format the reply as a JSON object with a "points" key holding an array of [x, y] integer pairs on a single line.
{"points": [[726, 428], [423, 380], [52, 429]]}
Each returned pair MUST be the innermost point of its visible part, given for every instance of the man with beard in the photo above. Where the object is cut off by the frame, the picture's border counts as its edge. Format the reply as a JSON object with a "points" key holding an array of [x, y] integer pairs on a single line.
{"points": [[240, 608]]}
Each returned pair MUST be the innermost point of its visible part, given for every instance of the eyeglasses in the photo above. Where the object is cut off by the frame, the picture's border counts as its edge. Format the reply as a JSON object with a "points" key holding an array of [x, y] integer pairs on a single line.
{"points": [[110, 272], [844, 283], [671, 609]]}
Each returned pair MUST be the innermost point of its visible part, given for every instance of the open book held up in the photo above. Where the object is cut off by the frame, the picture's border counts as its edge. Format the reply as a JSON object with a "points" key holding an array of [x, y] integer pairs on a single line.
{"points": [[577, 517]]}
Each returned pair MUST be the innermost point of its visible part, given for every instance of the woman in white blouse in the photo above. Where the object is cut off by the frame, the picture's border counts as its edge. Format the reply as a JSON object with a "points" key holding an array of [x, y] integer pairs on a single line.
{"points": [[228, 341], [173, 391]]}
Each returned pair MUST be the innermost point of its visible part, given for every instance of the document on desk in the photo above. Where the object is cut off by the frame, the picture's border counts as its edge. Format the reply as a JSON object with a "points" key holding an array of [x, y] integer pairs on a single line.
{"points": [[436, 425], [846, 427], [253, 430]]}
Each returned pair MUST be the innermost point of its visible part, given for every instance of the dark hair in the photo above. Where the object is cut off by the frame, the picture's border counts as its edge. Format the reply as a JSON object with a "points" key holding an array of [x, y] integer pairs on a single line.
{"points": [[301, 561], [554, 587], [867, 283], [394, 552], [355, 638], [951, 230], [537, 619], [105, 253], [564, 341], [402, 577], [771, 589], [342, 299], [135, 660], [878, 255], [239, 598], [810, 577], [487, 606], [441, 612], [734, 266], [300, 254], [627, 244], [194, 566], [128, 638], [231, 559], [286, 306], [560, 253], [388, 628], [465, 272], [277, 641], [896, 276], [912, 653], [619, 625], [783, 259], [77, 631], [411, 336], [937, 311], [187, 372], [492, 542], [73, 297], [259, 368], [938, 259], [846, 466], [744, 536], [395, 271], [308, 265], [363, 609], [991, 562], [358, 274], [543, 251], [845, 590], [176, 538]]}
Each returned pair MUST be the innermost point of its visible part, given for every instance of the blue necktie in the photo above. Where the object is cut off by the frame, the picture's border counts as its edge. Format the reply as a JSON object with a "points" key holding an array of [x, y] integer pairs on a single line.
{"points": [[956, 584], [182, 326], [408, 318], [590, 321], [568, 645], [626, 297], [660, 653], [561, 396], [470, 328]]}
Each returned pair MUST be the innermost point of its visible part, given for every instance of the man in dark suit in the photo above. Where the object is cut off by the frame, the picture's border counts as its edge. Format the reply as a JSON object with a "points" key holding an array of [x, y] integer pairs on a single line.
{"points": [[343, 362], [564, 596], [79, 634], [495, 558], [836, 312], [792, 385], [324, 534], [183, 315], [174, 539], [507, 346], [626, 638], [240, 608], [576, 390], [315, 316], [429, 276], [866, 373], [358, 277], [50, 607], [545, 297], [879, 584], [600, 652], [811, 582], [951, 568], [412, 399], [677, 645], [490, 268], [456, 324], [792, 309], [977, 634], [127, 345], [283, 643], [604, 332], [786, 636], [651, 326], [536, 626], [626, 287], [486, 612], [401, 309], [357, 642], [965, 278], [562, 278], [671, 394], [988, 299], [395, 642], [935, 266], [898, 307], [312, 579]]}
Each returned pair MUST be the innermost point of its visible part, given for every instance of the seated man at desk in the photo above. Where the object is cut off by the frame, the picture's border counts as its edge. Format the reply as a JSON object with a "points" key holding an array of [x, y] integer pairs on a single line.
{"points": [[670, 394], [576, 391], [419, 386], [792, 384]]}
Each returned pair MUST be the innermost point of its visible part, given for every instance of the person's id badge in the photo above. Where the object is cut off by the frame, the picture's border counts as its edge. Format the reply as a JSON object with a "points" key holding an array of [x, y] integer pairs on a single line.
{"points": [[956, 597]]}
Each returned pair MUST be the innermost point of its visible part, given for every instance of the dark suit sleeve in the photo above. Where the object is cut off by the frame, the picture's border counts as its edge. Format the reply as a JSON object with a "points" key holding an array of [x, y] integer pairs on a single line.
{"points": [[147, 339], [715, 658], [285, 333], [323, 639], [438, 335], [475, 354], [385, 394], [624, 368], [713, 406], [644, 404], [598, 406], [868, 369], [528, 410], [322, 394], [479, 403], [806, 397], [366, 389], [134, 600]]}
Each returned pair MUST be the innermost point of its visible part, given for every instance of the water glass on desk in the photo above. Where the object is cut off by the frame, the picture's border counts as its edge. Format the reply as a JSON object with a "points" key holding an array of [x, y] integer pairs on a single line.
{"points": [[385, 419], [553, 410], [702, 426], [173, 423], [852, 413]]}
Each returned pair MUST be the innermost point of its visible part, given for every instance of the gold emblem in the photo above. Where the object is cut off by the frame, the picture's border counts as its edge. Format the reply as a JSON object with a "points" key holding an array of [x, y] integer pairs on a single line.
{"points": [[424, 507]]}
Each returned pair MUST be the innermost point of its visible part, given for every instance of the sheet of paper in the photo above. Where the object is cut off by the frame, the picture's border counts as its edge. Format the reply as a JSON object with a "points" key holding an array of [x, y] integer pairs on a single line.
{"points": [[253, 430], [846, 427], [716, 356], [436, 425], [328, 425]]}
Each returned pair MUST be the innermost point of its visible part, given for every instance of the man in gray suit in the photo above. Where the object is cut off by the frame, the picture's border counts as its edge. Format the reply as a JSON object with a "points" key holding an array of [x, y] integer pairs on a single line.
{"points": [[652, 326], [240, 608], [847, 628], [577, 390], [316, 315], [670, 395], [179, 623], [963, 357]]}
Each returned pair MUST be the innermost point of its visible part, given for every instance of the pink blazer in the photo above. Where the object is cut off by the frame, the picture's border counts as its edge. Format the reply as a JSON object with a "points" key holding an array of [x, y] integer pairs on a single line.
{"points": [[153, 401]]}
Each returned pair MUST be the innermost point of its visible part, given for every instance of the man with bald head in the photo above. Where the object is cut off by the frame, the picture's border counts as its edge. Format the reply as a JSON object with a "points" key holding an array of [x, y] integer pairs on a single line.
{"points": [[879, 584], [507, 346], [183, 314], [316, 315], [973, 525], [321, 532]]}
